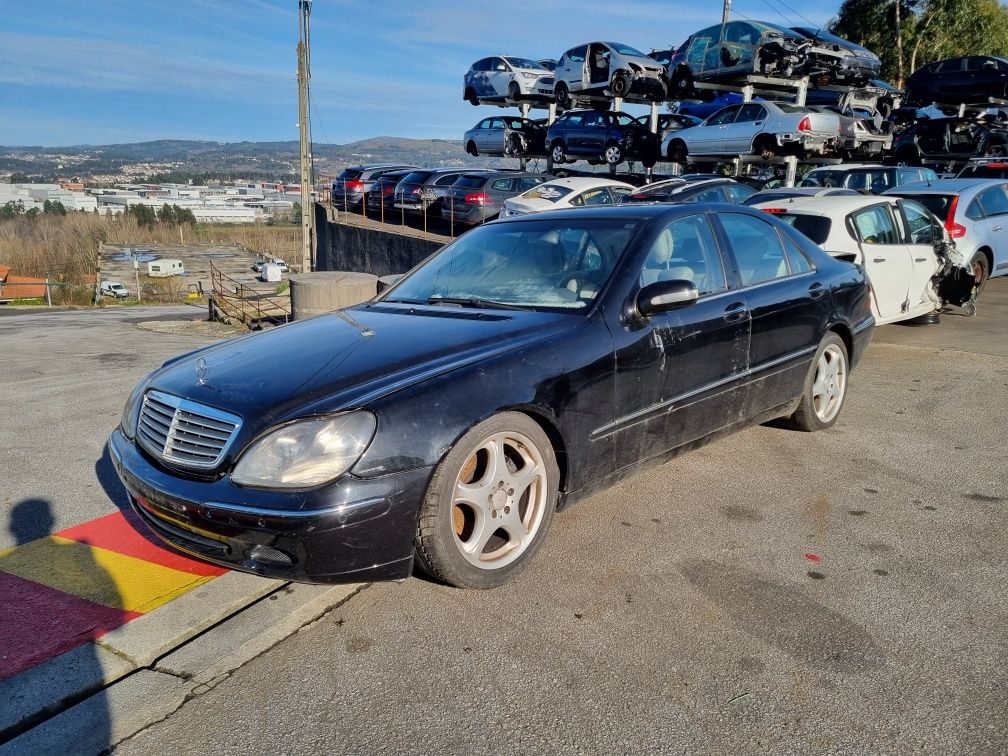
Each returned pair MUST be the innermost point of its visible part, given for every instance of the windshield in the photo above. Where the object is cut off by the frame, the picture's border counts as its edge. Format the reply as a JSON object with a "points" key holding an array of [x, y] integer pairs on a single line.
{"points": [[537, 264], [626, 50], [523, 63], [548, 192], [815, 227], [350, 174]]}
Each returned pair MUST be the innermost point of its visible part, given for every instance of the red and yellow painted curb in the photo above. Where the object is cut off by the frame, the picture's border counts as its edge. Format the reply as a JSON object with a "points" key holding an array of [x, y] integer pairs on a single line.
{"points": [[72, 587]]}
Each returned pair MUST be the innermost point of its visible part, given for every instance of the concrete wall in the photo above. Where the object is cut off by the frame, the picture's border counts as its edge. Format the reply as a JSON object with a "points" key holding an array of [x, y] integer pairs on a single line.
{"points": [[367, 250]]}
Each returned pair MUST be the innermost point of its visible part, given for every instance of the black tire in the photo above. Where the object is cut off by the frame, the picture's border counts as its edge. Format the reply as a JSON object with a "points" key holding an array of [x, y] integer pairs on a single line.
{"points": [[445, 519], [470, 97], [677, 151], [613, 154], [558, 152], [681, 83], [620, 85], [996, 150], [562, 95], [514, 91], [471, 148], [811, 414], [513, 146], [980, 266]]}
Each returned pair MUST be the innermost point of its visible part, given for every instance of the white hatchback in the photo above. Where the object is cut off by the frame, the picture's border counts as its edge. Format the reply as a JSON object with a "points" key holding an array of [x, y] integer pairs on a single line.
{"points": [[577, 191], [913, 269]]}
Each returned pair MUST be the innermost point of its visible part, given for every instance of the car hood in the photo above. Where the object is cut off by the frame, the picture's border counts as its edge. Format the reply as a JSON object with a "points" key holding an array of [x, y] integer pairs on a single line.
{"points": [[531, 206], [325, 364]]}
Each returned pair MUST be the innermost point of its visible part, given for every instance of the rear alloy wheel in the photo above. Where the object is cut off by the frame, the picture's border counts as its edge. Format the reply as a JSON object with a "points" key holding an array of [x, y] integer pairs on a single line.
{"points": [[825, 386], [979, 265], [489, 504], [613, 154], [558, 153]]}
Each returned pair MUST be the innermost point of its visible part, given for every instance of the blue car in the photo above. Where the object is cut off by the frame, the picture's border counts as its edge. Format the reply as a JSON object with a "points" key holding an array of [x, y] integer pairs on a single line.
{"points": [[599, 136]]}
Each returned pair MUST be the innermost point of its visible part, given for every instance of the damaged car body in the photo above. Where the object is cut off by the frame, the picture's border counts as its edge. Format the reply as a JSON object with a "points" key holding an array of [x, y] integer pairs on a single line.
{"points": [[607, 69], [528, 364]]}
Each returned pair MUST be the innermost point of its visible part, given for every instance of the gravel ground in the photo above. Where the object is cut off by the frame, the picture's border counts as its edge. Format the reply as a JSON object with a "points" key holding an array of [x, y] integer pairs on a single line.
{"points": [[842, 592]]}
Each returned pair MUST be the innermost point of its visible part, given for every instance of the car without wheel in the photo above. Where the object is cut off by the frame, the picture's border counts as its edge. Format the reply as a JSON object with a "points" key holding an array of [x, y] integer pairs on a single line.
{"points": [[941, 139], [479, 197], [600, 70], [525, 366], [500, 79], [756, 128], [861, 135], [975, 214], [970, 79], [506, 136], [834, 60], [576, 191], [601, 136], [913, 268]]}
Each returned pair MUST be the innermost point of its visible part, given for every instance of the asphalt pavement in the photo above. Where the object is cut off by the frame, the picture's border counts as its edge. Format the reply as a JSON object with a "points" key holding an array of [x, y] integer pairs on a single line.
{"points": [[842, 592]]}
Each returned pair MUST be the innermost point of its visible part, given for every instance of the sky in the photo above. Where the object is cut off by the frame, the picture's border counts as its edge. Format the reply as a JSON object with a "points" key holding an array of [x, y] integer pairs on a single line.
{"points": [[115, 71]]}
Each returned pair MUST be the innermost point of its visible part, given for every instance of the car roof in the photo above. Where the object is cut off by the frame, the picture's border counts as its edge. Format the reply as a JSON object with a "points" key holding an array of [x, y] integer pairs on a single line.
{"points": [[953, 186], [859, 166], [583, 182], [828, 205], [633, 211]]}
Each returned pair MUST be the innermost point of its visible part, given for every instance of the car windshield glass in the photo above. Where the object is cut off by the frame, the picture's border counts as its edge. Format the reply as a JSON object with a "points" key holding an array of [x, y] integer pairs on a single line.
{"points": [[550, 192], [350, 174], [559, 265], [523, 63], [815, 227], [417, 177], [626, 50], [938, 204]]}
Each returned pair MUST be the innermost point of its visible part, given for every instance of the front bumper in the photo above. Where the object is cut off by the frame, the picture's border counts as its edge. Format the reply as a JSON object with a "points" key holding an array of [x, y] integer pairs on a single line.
{"points": [[355, 530], [648, 87]]}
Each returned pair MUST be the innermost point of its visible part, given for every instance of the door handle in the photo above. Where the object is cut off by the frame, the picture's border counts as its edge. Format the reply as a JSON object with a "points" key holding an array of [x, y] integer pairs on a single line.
{"points": [[920, 259], [878, 259], [995, 228], [735, 312], [816, 290]]}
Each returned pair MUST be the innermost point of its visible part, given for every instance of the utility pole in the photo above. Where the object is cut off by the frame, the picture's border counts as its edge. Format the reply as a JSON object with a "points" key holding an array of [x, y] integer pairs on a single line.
{"points": [[726, 12], [307, 177]]}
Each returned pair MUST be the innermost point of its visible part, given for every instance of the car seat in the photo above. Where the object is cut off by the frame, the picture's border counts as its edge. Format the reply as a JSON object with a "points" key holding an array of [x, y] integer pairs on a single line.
{"points": [[661, 266]]}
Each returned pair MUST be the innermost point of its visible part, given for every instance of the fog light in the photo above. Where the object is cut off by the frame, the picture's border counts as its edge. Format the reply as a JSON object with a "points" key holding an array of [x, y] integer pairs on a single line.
{"points": [[269, 554]]}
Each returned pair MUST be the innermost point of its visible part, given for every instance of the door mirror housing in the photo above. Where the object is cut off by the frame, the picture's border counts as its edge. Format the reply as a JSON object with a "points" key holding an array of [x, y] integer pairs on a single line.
{"points": [[663, 296]]}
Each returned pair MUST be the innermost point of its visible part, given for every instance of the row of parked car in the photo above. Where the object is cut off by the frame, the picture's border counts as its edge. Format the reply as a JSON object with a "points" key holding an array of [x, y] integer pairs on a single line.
{"points": [[924, 241]]}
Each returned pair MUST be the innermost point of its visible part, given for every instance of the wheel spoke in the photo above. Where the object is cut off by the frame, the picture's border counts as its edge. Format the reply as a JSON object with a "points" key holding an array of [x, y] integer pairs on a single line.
{"points": [[482, 530], [522, 480]]}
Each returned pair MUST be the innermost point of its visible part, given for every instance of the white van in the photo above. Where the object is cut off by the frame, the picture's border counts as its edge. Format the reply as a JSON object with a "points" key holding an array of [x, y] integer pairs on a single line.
{"points": [[270, 273], [114, 289], [165, 267]]}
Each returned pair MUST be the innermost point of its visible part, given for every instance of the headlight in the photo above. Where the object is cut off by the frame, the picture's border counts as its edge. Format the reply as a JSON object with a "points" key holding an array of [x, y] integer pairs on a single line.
{"points": [[127, 423], [306, 453], [528, 75]]}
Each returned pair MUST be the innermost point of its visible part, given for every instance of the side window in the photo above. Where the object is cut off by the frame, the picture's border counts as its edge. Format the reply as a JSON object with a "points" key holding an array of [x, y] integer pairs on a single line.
{"points": [[739, 192], [599, 196], [447, 179], [713, 194], [751, 112], [686, 250], [796, 258], [619, 192], [698, 48], [994, 201], [920, 227], [527, 183], [875, 226], [496, 123], [577, 55], [485, 123], [503, 185], [723, 116], [757, 246], [973, 212], [498, 64], [574, 120]]}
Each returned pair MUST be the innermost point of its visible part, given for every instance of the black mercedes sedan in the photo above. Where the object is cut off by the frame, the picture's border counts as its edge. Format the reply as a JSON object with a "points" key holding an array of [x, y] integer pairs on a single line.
{"points": [[529, 363]]}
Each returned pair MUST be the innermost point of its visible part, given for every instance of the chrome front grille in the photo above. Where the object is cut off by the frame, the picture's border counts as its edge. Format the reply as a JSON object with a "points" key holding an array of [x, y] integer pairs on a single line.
{"points": [[184, 433]]}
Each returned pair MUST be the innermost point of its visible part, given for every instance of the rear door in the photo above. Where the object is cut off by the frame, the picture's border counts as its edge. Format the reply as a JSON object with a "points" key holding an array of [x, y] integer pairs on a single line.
{"points": [[739, 135], [787, 301], [993, 228], [593, 132], [493, 137], [887, 259]]}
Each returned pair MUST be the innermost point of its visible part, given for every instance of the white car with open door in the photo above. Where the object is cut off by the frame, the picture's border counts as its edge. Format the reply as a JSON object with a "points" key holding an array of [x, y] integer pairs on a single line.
{"points": [[600, 70], [913, 267]]}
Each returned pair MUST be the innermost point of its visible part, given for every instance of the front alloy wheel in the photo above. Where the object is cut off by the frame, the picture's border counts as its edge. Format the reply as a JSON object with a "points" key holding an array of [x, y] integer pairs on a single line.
{"points": [[613, 154], [558, 154], [825, 386], [489, 504]]}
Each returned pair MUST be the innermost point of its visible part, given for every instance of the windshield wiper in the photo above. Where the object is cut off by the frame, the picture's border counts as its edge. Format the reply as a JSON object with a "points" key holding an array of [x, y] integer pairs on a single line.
{"points": [[474, 302]]}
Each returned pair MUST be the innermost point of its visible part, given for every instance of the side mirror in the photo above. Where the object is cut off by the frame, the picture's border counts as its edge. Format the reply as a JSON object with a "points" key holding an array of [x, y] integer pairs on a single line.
{"points": [[663, 296], [501, 67]]}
